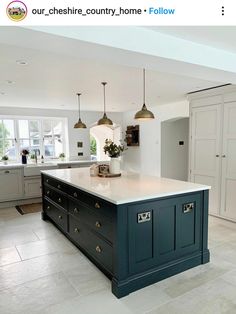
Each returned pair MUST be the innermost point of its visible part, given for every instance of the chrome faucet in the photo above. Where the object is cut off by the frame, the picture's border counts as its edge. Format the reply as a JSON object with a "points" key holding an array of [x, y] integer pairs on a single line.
{"points": [[36, 158]]}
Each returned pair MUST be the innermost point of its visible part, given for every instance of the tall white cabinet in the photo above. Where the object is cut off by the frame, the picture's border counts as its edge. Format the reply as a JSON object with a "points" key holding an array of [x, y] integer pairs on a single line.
{"points": [[213, 147]]}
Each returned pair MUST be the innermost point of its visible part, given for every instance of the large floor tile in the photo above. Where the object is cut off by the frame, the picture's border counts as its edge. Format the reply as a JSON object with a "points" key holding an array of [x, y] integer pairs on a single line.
{"points": [[102, 302], [184, 282], [8, 256], [36, 295], [51, 245], [215, 297], [87, 279], [145, 299]]}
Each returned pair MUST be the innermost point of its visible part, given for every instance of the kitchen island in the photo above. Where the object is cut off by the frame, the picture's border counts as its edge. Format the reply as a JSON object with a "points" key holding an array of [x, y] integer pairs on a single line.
{"points": [[137, 229]]}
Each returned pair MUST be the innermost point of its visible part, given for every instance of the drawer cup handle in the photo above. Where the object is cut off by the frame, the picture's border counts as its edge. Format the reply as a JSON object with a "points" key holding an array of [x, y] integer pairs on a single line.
{"points": [[75, 194], [59, 200], [58, 186], [60, 217], [6, 171], [48, 192], [76, 230], [98, 249], [97, 205], [98, 224], [76, 210]]}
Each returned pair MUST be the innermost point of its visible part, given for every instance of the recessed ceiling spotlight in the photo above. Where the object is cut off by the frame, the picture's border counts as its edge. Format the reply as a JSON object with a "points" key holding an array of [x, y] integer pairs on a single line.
{"points": [[21, 62]]}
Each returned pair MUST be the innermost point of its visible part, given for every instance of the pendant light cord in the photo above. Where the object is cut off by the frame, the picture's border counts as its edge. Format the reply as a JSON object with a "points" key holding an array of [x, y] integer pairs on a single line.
{"points": [[144, 87], [104, 96], [79, 103]]}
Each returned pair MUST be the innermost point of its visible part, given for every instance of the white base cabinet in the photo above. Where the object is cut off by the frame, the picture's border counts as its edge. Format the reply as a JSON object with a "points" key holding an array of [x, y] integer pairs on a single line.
{"points": [[213, 147], [33, 187], [11, 184]]}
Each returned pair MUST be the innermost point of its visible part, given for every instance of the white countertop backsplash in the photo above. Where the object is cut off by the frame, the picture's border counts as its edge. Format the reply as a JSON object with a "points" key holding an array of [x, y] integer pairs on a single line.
{"points": [[130, 187]]}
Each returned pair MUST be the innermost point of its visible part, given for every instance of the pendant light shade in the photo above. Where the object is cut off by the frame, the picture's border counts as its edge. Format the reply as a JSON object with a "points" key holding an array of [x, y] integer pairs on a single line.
{"points": [[144, 113], [104, 120], [79, 124]]}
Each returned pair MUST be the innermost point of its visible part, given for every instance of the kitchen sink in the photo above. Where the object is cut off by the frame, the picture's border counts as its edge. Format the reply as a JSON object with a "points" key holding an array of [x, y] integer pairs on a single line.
{"points": [[34, 169]]}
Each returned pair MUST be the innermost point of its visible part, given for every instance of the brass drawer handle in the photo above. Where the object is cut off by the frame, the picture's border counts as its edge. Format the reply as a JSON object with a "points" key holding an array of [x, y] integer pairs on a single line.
{"points": [[98, 224], [58, 186], [48, 192], [76, 210], [60, 217], [59, 200], [48, 207], [98, 249], [76, 230], [97, 205], [75, 194]]}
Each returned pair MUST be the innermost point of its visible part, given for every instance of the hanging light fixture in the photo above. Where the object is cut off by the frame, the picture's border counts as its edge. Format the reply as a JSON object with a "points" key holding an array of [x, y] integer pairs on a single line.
{"points": [[79, 124], [144, 114], [104, 120]]}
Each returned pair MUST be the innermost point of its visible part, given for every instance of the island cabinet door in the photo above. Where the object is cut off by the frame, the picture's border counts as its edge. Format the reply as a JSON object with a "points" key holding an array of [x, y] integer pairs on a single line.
{"points": [[163, 231]]}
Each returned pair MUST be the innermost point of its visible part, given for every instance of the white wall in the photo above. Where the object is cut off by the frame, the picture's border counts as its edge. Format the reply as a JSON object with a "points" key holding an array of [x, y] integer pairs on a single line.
{"points": [[146, 158], [74, 135], [174, 157]]}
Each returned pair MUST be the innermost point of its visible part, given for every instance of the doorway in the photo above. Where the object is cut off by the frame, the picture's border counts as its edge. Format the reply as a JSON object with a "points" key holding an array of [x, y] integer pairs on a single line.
{"points": [[98, 135], [175, 148]]}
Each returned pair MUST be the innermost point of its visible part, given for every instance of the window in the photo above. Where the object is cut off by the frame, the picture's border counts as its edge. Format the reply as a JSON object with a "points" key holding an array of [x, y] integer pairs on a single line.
{"points": [[7, 138], [41, 136]]}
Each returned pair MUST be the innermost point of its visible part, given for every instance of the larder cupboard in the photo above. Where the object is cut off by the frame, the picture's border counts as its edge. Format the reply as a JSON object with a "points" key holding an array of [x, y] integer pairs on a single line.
{"points": [[213, 147]]}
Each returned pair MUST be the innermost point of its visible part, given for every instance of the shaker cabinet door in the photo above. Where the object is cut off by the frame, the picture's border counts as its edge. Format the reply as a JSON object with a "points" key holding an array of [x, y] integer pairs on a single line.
{"points": [[228, 182], [205, 161]]}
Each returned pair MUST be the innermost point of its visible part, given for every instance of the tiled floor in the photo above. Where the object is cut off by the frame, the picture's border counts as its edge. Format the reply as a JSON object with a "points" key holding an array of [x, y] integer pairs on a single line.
{"points": [[42, 272]]}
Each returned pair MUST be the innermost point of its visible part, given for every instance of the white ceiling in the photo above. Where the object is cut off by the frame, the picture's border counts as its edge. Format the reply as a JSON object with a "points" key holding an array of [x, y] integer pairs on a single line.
{"points": [[51, 79], [221, 37]]}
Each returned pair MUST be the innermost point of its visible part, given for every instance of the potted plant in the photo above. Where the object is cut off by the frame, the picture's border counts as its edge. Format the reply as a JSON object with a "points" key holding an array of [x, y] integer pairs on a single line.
{"points": [[62, 156], [114, 151], [24, 154], [5, 158], [33, 158]]}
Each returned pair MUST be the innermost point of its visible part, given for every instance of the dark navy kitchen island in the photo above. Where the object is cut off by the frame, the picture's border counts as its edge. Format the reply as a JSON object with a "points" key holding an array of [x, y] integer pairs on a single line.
{"points": [[137, 229]]}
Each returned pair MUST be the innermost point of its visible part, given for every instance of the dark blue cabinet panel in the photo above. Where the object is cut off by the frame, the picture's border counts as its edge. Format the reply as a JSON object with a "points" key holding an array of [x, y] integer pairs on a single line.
{"points": [[172, 231]]}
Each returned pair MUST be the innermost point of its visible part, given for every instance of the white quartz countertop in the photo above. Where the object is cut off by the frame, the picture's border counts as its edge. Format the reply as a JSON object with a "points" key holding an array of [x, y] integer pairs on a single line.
{"points": [[45, 164], [10, 166], [130, 187]]}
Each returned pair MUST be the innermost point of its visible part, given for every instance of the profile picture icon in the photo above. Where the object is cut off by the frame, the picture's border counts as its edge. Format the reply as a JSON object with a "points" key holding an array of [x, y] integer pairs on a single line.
{"points": [[16, 11]]}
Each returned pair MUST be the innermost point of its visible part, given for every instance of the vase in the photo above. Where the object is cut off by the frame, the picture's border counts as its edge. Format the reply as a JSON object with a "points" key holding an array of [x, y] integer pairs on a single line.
{"points": [[114, 167], [24, 159]]}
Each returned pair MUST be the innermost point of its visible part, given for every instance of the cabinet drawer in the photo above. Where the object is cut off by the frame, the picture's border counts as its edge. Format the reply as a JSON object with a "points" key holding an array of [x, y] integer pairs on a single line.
{"points": [[59, 216], [55, 196], [93, 244], [56, 184], [94, 219], [100, 206]]}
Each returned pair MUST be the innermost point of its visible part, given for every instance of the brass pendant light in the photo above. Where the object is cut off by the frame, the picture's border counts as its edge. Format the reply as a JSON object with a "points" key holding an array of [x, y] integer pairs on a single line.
{"points": [[144, 114], [104, 120], [79, 124]]}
